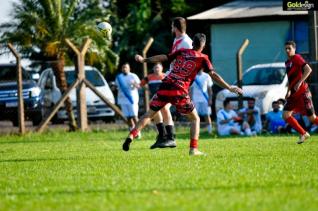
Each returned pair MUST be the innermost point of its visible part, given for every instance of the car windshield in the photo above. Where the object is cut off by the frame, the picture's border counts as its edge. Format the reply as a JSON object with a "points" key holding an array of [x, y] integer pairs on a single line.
{"points": [[91, 75], [9, 73], [264, 76]]}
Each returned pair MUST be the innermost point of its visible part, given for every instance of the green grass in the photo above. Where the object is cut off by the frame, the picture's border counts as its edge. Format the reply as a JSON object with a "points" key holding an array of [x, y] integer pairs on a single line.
{"points": [[89, 171]]}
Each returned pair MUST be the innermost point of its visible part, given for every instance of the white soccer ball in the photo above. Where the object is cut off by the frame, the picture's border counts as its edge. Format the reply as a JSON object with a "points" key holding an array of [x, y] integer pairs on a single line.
{"points": [[105, 28]]}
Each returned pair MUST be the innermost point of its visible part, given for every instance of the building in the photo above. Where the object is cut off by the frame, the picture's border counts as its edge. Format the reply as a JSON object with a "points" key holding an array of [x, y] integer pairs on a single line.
{"points": [[264, 23]]}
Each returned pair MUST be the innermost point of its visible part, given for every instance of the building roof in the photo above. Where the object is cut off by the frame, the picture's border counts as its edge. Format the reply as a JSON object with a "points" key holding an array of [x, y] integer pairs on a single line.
{"points": [[245, 9]]}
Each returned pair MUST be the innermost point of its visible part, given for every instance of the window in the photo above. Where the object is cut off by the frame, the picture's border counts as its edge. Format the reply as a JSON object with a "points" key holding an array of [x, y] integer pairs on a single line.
{"points": [[91, 75], [9, 73], [264, 76]]}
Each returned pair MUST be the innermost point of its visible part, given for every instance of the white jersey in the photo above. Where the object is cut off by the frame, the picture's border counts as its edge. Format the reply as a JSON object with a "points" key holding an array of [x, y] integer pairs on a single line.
{"points": [[200, 87], [225, 115], [183, 42], [127, 93]]}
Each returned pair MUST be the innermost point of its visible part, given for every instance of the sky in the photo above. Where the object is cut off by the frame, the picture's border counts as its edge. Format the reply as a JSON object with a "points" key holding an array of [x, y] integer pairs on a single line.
{"points": [[5, 9]]}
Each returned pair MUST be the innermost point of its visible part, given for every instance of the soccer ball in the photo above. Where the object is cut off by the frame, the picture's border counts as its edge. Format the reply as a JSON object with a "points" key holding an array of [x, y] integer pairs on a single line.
{"points": [[105, 28]]}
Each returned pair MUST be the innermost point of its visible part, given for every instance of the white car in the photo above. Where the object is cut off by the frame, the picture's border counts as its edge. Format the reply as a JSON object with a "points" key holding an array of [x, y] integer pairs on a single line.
{"points": [[96, 108], [264, 82]]}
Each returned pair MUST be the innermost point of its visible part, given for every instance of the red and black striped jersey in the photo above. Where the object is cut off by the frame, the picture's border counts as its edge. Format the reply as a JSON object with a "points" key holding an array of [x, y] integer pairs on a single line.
{"points": [[294, 68], [187, 64]]}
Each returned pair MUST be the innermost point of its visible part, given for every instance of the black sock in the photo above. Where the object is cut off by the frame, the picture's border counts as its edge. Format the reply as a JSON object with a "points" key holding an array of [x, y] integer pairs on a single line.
{"points": [[170, 131], [161, 129]]}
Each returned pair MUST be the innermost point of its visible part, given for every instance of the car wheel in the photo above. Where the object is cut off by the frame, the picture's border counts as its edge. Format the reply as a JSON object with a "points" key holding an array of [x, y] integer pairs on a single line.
{"points": [[108, 119], [36, 120]]}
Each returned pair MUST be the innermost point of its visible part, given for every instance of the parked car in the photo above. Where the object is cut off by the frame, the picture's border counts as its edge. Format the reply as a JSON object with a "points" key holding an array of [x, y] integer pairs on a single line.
{"points": [[32, 96], [264, 82], [96, 108]]}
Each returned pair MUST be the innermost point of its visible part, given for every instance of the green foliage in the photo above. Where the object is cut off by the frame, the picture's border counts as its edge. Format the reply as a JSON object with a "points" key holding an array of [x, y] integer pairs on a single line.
{"points": [[89, 171], [43, 25]]}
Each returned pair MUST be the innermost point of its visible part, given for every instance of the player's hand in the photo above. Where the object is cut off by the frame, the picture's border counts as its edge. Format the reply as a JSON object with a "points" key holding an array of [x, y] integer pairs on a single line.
{"points": [[139, 58], [236, 90], [297, 85], [287, 94]]}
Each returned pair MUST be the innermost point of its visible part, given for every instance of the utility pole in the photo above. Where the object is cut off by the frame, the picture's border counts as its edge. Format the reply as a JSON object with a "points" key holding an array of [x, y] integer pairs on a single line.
{"points": [[313, 54]]}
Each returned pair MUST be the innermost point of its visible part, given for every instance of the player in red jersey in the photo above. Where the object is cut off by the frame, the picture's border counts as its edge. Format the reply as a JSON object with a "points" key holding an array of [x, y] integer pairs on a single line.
{"points": [[175, 88], [298, 97]]}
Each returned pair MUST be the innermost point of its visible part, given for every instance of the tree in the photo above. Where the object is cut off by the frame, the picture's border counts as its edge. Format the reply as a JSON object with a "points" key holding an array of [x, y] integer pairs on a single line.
{"points": [[41, 27]]}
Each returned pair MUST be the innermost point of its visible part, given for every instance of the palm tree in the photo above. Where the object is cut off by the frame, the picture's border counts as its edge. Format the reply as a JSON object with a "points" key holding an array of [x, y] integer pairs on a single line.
{"points": [[43, 25]]}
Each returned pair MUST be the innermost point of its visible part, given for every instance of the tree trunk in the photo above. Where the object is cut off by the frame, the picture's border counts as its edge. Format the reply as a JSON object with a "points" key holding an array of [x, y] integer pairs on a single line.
{"points": [[58, 69]]}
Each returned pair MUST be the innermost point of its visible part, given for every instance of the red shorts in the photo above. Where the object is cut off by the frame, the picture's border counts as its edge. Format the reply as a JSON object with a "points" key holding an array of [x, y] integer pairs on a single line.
{"points": [[182, 103], [301, 103]]}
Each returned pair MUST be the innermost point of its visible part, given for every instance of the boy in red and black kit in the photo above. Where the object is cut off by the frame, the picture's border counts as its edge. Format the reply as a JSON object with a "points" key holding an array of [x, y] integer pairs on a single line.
{"points": [[298, 96], [175, 88]]}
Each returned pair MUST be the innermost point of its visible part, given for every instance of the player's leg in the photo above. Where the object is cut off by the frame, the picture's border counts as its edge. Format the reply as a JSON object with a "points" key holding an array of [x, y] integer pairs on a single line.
{"points": [[145, 119], [194, 132], [169, 138], [155, 105], [288, 117], [158, 120], [168, 122]]}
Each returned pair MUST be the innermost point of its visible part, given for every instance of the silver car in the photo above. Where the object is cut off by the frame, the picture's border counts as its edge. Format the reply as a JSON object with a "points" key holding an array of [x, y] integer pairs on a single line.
{"points": [[96, 108]]}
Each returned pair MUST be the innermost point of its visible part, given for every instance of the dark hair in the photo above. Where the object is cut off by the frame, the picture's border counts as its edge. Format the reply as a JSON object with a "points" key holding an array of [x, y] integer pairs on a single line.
{"points": [[251, 99], [274, 102], [291, 42], [180, 24], [281, 100], [199, 40], [125, 63], [226, 102]]}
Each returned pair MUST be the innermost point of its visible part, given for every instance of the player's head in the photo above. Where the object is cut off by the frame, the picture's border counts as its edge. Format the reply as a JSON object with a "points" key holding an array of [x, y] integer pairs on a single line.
{"points": [[227, 104], [199, 41], [178, 25], [125, 68], [157, 68], [275, 106], [251, 103], [290, 48]]}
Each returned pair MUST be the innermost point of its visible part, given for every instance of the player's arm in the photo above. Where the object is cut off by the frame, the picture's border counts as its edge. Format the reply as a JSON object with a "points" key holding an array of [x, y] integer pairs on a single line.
{"points": [[153, 59], [307, 70], [220, 81]]}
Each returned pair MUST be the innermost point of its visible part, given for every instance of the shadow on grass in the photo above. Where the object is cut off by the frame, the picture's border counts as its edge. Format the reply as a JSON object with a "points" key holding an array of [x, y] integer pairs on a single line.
{"points": [[237, 187]]}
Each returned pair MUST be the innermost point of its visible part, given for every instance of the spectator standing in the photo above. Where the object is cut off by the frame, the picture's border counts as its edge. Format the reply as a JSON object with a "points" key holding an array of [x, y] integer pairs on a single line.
{"points": [[201, 94], [128, 96], [154, 81]]}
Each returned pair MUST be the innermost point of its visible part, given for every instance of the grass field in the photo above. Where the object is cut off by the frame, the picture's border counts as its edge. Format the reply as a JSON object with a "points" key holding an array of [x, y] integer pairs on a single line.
{"points": [[89, 171]]}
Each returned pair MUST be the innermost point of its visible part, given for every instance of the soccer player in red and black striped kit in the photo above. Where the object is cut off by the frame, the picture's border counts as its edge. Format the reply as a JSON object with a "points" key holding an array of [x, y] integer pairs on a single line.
{"points": [[298, 97], [174, 88]]}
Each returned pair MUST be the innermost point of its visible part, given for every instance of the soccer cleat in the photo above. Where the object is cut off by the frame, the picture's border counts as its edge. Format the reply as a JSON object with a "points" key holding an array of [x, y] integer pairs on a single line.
{"points": [[170, 143], [303, 138], [159, 140], [126, 144], [196, 152]]}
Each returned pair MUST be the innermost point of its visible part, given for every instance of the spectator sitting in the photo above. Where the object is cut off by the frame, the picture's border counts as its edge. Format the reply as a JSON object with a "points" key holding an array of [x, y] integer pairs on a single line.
{"points": [[228, 122], [252, 116], [281, 102], [274, 119]]}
